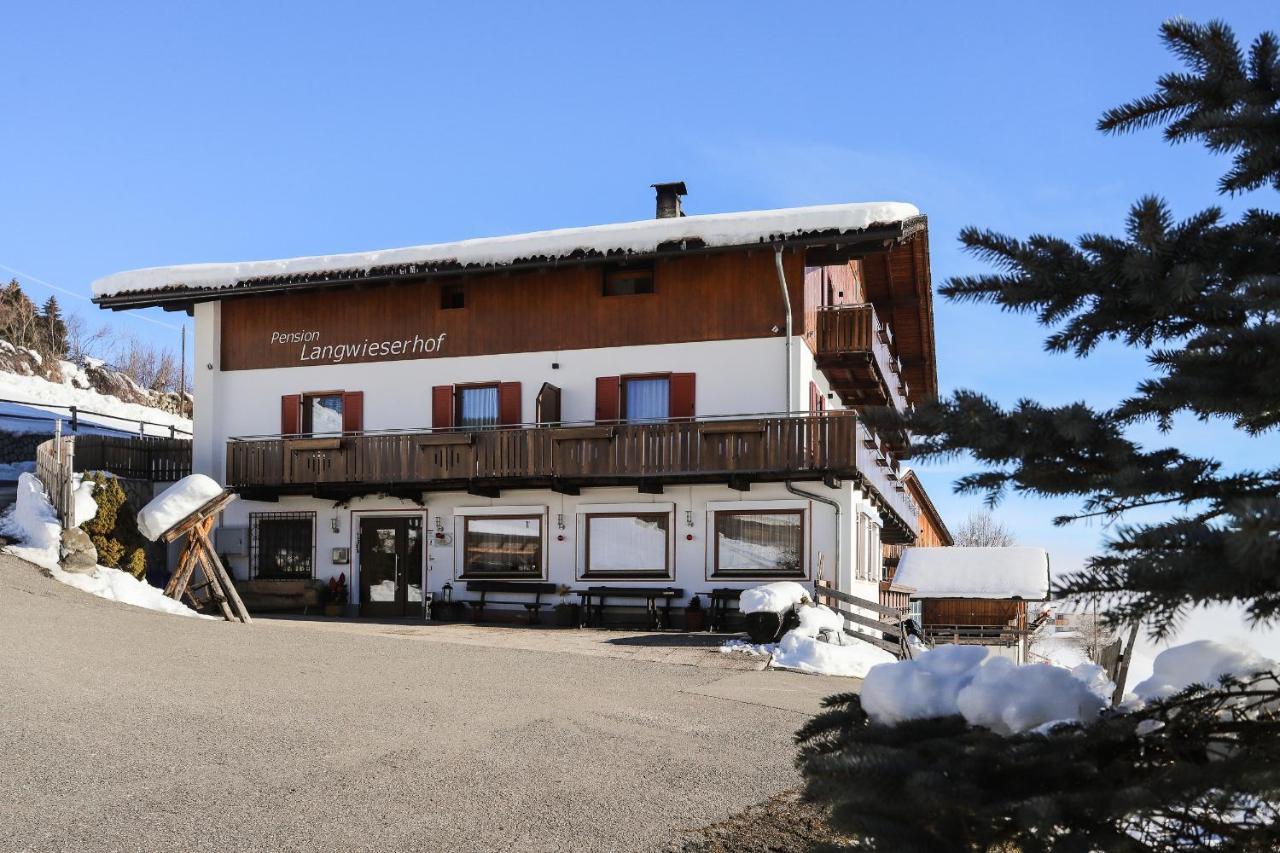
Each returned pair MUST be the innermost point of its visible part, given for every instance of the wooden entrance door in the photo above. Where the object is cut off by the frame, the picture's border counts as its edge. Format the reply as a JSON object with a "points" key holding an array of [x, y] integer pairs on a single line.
{"points": [[390, 566]]}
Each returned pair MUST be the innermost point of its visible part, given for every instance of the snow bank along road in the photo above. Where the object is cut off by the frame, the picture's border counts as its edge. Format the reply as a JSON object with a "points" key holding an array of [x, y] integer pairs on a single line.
{"points": [[121, 728]]}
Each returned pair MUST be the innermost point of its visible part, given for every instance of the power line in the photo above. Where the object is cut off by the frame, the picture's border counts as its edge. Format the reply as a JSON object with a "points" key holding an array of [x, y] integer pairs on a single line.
{"points": [[84, 298]]}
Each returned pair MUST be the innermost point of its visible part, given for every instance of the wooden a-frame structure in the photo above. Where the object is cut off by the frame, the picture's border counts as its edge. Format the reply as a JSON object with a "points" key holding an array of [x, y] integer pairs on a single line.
{"points": [[199, 553]]}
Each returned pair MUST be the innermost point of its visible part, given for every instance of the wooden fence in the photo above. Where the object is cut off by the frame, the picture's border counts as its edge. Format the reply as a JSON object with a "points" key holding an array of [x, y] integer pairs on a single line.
{"points": [[55, 468], [160, 460], [887, 623]]}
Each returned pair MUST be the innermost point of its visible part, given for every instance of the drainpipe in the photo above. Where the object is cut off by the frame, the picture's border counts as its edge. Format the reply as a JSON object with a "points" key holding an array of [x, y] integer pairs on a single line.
{"points": [[786, 300], [835, 506]]}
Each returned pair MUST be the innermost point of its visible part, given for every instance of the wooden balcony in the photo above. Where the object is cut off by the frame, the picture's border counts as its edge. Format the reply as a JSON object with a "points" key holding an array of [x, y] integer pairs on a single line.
{"points": [[738, 451], [855, 351]]}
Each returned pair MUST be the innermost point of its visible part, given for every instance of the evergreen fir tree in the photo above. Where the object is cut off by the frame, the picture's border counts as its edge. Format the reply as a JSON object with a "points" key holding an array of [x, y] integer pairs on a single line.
{"points": [[53, 329], [1201, 298]]}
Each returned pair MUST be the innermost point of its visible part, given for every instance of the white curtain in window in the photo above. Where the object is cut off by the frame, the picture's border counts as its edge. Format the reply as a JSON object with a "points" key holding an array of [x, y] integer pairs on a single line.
{"points": [[648, 399], [627, 543], [479, 407]]}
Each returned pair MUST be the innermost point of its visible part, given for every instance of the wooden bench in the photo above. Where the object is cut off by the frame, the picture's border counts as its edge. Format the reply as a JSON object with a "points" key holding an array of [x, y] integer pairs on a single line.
{"points": [[657, 617], [721, 599], [534, 588]]}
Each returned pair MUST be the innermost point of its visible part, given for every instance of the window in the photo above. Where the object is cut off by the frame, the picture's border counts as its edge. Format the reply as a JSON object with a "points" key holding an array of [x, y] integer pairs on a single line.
{"points": [[502, 546], [281, 544], [630, 544], [646, 398], [477, 405], [322, 413], [452, 296], [628, 282], [759, 543]]}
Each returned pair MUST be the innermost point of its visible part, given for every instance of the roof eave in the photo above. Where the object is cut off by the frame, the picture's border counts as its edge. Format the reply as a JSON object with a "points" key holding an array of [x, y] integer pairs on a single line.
{"points": [[182, 298]]}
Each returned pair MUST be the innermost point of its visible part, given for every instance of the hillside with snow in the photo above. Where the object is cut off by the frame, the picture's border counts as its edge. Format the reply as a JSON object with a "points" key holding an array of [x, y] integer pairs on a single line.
{"points": [[34, 394]]}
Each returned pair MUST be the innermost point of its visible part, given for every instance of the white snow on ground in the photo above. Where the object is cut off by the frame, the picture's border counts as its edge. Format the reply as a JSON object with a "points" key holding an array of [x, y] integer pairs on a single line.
{"points": [[1017, 571], [854, 659], [772, 597], [800, 649], [33, 521], [176, 503], [717, 229], [994, 693], [84, 506], [75, 391], [1198, 662], [11, 470]]}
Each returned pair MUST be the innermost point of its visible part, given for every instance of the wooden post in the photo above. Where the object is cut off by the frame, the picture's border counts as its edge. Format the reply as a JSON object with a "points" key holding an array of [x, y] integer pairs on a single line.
{"points": [[1123, 674]]}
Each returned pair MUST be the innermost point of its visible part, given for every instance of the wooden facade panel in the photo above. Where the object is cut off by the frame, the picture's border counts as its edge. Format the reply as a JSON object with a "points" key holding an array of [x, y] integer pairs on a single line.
{"points": [[708, 297], [970, 611]]}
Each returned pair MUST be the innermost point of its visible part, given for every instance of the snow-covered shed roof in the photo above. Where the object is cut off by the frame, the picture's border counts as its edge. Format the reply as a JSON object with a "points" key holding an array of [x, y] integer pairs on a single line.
{"points": [[626, 239], [1014, 572]]}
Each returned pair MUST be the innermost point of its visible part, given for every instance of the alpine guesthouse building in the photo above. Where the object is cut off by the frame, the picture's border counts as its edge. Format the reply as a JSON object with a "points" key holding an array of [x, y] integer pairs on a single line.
{"points": [[675, 403]]}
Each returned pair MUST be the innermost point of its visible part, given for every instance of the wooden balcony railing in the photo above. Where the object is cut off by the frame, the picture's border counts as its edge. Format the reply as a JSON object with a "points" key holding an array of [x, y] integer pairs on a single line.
{"points": [[745, 449], [856, 351]]}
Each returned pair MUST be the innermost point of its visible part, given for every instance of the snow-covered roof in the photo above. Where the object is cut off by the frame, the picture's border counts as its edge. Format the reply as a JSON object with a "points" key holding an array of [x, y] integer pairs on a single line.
{"points": [[621, 239], [1014, 572]]}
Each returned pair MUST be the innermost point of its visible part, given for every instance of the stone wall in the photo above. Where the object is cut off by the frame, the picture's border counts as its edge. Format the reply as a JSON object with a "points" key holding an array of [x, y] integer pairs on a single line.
{"points": [[20, 446]]}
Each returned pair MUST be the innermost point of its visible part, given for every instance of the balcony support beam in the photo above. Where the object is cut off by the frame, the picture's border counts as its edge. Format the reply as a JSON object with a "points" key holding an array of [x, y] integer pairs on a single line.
{"points": [[560, 487], [649, 487], [481, 490], [740, 483]]}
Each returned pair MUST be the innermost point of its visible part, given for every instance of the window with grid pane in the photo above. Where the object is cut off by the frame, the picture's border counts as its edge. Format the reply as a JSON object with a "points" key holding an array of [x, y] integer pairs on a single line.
{"points": [[282, 544]]}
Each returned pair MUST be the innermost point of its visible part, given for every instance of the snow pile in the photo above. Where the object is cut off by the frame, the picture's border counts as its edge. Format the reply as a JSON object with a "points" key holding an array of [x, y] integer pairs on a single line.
{"points": [[851, 658], [1198, 662], [995, 693], [817, 618], [763, 649], [645, 236], [33, 521], [1015, 572], [176, 503], [772, 597], [84, 506]]}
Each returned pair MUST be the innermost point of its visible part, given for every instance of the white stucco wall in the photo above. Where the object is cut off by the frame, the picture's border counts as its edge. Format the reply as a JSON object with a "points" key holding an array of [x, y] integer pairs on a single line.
{"points": [[733, 377]]}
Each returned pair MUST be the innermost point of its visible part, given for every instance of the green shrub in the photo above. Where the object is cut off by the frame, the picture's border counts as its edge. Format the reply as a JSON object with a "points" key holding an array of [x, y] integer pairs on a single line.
{"points": [[114, 530]]}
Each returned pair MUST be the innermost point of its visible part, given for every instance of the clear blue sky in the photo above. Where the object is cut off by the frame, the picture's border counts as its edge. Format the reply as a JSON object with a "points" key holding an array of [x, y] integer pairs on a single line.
{"points": [[165, 133]]}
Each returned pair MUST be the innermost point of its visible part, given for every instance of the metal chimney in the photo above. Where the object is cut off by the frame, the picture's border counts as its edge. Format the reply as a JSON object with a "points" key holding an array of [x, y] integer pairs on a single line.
{"points": [[669, 199]]}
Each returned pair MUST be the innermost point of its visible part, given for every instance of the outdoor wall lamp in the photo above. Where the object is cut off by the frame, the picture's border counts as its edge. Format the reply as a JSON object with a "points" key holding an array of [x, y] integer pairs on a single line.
{"points": [[688, 518], [334, 523], [560, 520]]}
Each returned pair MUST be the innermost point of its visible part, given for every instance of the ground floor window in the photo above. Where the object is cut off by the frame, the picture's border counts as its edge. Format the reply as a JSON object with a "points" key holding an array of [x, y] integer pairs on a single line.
{"points": [[502, 546], [627, 545], [759, 543], [282, 544]]}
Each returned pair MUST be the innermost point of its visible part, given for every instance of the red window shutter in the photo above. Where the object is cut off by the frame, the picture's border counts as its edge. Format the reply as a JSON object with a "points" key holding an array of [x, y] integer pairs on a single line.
{"points": [[509, 403], [814, 405], [682, 395], [607, 394], [290, 414], [352, 411], [442, 407]]}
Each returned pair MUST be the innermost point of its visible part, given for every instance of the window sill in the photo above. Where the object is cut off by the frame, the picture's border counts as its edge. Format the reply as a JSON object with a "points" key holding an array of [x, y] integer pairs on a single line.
{"points": [[624, 576]]}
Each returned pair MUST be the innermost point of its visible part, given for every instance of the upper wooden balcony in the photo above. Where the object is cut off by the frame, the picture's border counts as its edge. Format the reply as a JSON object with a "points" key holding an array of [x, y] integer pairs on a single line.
{"points": [[737, 451], [855, 350]]}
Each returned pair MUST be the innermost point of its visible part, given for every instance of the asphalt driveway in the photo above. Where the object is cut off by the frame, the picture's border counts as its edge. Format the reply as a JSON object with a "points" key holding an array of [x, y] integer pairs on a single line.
{"points": [[123, 729]]}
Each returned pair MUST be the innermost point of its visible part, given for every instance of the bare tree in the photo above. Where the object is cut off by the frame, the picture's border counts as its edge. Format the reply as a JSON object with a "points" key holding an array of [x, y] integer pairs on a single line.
{"points": [[152, 367], [981, 530], [83, 343]]}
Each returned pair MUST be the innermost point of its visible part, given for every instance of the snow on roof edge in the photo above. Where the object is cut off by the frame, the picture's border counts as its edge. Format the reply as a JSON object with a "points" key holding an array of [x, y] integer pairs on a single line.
{"points": [[715, 229], [1019, 571]]}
